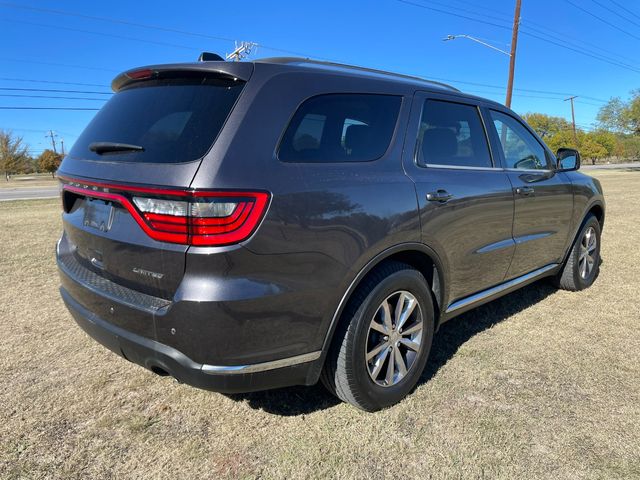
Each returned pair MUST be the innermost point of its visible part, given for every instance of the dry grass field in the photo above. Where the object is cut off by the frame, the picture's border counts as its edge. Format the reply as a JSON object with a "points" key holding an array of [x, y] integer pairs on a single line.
{"points": [[539, 384], [27, 181]]}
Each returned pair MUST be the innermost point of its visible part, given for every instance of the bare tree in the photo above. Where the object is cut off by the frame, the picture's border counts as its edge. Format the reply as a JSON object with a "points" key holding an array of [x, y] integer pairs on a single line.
{"points": [[13, 153]]}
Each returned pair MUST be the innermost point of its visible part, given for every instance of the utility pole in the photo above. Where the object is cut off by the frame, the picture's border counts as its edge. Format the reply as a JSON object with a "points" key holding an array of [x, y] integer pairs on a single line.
{"points": [[62, 146], [242, 51], [53, 136], [573, 119], [514, 45]]}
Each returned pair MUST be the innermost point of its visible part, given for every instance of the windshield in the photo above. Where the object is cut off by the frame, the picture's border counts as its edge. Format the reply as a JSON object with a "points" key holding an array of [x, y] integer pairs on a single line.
{"points": [[171, 120]]}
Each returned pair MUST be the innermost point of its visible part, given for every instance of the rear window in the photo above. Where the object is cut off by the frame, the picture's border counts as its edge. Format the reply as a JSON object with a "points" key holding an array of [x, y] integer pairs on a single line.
{"points": [[173, 120], [341, 128]]}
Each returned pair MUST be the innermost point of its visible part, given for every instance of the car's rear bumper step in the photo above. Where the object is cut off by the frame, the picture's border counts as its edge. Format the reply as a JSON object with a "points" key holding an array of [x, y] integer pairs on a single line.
{"points": [[163, 359], [108, 289]]}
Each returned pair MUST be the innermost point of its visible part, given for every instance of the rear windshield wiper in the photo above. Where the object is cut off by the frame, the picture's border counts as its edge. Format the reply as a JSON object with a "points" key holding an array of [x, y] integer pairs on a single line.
{"points": [[112, 147]]}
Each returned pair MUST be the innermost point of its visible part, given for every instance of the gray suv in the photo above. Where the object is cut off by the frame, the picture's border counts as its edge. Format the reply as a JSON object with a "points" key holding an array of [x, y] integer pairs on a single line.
{"points": [[246, 226]]}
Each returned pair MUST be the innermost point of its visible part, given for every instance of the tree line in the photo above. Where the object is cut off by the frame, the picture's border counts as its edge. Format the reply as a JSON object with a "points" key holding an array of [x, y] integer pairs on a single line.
{"points": [[617, 136], [15, 158]]}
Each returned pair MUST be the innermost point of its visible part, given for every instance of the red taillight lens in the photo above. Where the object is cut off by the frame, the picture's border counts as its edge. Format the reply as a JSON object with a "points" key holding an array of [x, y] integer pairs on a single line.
{"points": [[207, 218], [200, 218]]}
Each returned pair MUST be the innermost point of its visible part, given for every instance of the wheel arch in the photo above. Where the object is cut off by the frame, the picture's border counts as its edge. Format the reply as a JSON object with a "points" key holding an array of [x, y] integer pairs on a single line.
{"points": [[596, 209], [419, 256]]}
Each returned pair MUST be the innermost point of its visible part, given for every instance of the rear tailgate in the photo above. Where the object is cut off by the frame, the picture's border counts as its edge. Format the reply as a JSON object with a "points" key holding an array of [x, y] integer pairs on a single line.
{"points": [[172, 115]]}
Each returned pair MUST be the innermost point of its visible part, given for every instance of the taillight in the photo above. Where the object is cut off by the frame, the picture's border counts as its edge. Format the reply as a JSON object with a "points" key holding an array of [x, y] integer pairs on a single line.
{"points": [[201, 218], [206, 219]]}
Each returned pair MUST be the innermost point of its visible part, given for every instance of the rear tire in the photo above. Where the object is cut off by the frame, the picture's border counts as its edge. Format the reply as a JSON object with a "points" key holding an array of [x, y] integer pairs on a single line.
{"points": [[582, 266], [382, 342]]}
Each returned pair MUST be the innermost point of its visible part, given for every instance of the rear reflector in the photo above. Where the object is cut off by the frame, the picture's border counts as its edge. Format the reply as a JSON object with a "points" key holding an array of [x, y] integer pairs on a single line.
{"points": [[203, 218]]}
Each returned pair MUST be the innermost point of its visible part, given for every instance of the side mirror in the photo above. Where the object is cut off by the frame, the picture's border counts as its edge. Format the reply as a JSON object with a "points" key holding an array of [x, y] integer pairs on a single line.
{"points": [[568, 159]]}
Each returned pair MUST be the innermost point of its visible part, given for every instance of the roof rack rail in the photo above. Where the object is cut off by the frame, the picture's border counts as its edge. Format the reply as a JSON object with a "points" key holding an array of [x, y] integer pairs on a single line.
{"points": [[356, 67]]}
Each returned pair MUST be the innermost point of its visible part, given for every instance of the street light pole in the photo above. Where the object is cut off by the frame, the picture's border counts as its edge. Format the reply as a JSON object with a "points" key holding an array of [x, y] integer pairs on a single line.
{"points": [[514, 45], [453, 37]]}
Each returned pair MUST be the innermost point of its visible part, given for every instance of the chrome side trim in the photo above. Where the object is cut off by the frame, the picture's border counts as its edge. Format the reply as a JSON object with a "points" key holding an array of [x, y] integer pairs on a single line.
{"points": [[529, 170], [459, 167], [260, 367], [477, 297], [533, 236], [509, 242]]}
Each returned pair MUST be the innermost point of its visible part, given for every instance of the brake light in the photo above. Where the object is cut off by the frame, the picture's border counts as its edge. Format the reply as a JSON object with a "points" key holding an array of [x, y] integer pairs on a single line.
{"points": [[215, 219], [202, 218], [140, 74]]}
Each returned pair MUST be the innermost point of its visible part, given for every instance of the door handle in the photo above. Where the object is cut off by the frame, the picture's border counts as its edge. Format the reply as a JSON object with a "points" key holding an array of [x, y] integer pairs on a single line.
{"points": [[525, 191], [441, 196]]}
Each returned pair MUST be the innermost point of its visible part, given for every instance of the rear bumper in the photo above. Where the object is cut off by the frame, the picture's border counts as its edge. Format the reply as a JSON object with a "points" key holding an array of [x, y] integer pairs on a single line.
{"points": [[165, 360]]}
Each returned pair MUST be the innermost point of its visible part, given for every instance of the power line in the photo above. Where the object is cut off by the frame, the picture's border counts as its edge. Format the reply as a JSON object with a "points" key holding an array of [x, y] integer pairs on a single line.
{"points": [[528, 90], [615, 12], [47, 108], [103, 34], [602, 19], [445, 12], [589, 103], [19, 95], [519, 95], [544, 29], [429, 76], [53, 90], [155, 27], [577, 50], [41, 130], [66, 65], [147, 26], [625, 9], [572, 41], [6, 4], [493, 10], [582, 52], [474, 12], [8, 79]]}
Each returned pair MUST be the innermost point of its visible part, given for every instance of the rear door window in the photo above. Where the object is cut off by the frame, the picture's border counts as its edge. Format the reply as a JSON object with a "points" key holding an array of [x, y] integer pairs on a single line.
{"points": [[452, 134], [174, 120], [340, 128]]}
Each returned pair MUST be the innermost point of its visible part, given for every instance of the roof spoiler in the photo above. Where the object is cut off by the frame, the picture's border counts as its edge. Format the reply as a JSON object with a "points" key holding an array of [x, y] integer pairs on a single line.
{"points": [[233, 70]]}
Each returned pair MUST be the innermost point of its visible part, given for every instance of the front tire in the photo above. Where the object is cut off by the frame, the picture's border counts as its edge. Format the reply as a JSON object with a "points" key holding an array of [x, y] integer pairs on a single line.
{"points": [[383, 340], [583, 263]]}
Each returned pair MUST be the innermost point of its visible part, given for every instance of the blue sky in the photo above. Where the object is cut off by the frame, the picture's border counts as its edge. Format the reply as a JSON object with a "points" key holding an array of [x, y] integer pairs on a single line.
{"points": [[76, 47]]}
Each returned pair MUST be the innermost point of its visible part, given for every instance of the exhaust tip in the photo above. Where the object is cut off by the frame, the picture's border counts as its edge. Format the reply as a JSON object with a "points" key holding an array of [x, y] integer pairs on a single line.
{"points": [[159, 371]]}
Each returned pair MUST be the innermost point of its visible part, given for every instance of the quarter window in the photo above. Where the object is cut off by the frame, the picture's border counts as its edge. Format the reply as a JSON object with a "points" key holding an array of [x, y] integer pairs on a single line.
{"points": [[521, 149], [340, 128], [452, 134]]}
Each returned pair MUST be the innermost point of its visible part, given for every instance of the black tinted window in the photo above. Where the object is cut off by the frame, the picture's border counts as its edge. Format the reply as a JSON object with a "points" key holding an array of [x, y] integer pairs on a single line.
{"points": [[521, 149], [340, 128], [452, 134], [173, 120]]}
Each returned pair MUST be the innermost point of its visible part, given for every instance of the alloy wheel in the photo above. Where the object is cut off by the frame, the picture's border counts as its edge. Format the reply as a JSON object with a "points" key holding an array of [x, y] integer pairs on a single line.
{"points": [[394, 338], [587, 258]]}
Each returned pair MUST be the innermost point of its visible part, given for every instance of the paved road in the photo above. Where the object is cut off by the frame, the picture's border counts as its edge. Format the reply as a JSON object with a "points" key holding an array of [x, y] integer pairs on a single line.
{"points": [[28, 193], [611, 166]]}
